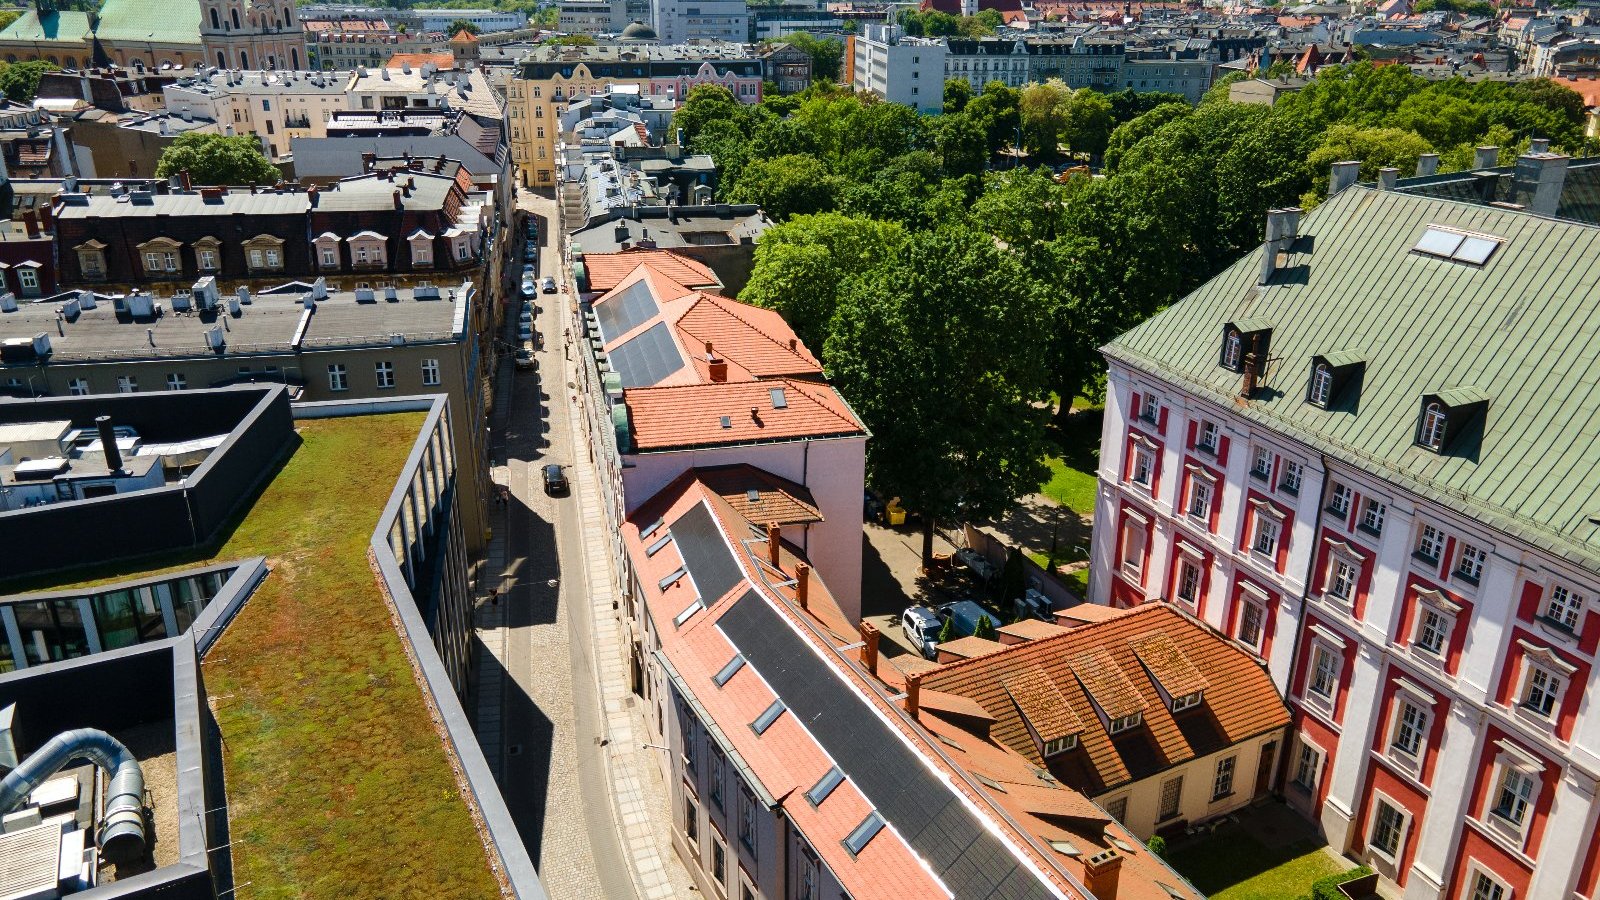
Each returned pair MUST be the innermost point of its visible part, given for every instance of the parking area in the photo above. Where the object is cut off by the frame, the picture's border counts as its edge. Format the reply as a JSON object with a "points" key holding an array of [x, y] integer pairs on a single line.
{"points": [[892, 579]]}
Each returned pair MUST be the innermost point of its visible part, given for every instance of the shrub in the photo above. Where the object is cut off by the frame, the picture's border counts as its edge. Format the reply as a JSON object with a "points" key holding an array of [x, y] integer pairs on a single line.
{"points": [[1327, 887], [1157, 845]]}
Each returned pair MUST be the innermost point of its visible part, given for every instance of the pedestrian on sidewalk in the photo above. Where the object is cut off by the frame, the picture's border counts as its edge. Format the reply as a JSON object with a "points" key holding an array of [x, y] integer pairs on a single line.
{"points": [[494, 596]]}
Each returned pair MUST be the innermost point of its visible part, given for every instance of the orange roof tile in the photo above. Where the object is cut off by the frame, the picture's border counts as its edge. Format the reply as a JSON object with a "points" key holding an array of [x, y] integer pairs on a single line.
{"points": [[1109, 687], [1168, 664], [1073, 616], [1031, 629], [417, 60], [679, 417], [968, 646], [606, 270], [757, 340], [464, 36], [1041, 704], [761, 496]]}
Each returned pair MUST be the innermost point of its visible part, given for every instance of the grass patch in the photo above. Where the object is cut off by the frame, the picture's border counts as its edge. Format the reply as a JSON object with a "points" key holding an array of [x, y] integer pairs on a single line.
{"points": [[1236, 866], [1076, 457], [338, 785]]}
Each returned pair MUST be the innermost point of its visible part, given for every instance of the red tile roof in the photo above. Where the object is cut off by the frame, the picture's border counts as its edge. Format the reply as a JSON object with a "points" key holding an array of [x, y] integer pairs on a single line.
{"points": [[775, 499], [416, 60], [1107, 660], [684, 416], [606, 270]]}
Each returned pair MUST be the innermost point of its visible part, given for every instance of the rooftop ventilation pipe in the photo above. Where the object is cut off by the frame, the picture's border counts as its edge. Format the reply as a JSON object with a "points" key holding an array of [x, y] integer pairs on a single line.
{"points": [[108, 441], [122, 832]]}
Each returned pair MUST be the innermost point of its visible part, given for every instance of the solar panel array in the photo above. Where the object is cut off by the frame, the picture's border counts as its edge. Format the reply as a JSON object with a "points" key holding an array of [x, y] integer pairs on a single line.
{"points": [[705, 554], [647, 359], [969, 858], [626, 311]]}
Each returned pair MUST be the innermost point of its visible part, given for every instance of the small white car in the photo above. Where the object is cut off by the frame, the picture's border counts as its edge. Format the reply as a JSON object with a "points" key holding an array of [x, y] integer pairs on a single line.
{"points": [[921, 628], [528, 289]]}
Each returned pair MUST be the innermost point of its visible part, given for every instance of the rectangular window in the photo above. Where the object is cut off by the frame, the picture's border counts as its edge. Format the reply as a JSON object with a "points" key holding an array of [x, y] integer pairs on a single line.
{"points": [[330, 256], [430, 372], [1432, 628], [127, 384], [1544, 688], [1291, 477], [337, 378], [1388, 824], [1261, 463], [1486, 888], [1188, 582], [1564, 607], [691, 822], [1118, 808], [1372, 513], [1171, 797], [1206, 437], [1305, 768], [1150, 408], [1342, 579], [1324, 672], [29, 278], [1410, 726], [714, 775], [1123, 723], [1266, 539], [152, 261], [1470, 564], [256, 259], [1252, 621], [273, 260], [1430, 543], [385, 374], [176, 381], [1199, 499], [1060, 745], [1133, 539], [1222, 784], [1339, 502], [208, 259], [719, 858], [1143, 464], [78, 387], [1517, 789], [747, 820]]}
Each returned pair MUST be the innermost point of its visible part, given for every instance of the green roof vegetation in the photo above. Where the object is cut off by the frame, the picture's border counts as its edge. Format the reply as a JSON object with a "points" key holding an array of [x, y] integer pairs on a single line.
{"points": [[338, 784], [1516, 331]]}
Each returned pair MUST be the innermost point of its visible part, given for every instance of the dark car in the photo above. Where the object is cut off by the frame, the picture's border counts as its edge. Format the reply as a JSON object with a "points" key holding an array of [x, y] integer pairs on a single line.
{"points": [[554, 481]]}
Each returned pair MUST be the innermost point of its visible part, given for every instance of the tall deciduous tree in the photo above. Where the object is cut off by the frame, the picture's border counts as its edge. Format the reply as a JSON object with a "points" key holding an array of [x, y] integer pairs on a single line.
{"points": [[707, 103], [216, 159], [802, 265], [785, 186], [937, 350]]}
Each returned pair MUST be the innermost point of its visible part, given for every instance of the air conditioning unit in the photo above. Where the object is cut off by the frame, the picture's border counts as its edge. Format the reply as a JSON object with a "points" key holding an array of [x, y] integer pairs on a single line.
{"points": [[364, 295], [397, 339], [87, 299], [215, 338], [244, 295], [8, 303], [205, 293]]}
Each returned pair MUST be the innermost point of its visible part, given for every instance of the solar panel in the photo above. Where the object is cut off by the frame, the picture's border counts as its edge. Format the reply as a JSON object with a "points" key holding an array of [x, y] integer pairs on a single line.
{"points": [[966, 855], [647, 359], [1438, 242], [622, 313], [705, 553]]}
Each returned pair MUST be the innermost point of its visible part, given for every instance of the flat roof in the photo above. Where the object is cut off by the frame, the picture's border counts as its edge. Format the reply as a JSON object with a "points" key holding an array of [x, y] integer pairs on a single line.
{"points": [[318, 706]]}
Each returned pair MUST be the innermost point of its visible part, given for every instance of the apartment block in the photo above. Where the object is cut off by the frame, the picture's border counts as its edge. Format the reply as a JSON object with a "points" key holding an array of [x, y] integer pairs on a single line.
{"points": [[900, 69]]}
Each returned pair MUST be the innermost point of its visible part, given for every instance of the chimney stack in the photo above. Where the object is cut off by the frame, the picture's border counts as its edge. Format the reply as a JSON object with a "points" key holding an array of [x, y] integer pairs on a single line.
{"points": [[774, 542], [108, 443], [1486, 157], [183, 175], [1427, 164], [869, 646], [802, 585], [47, 217], [913, 694], [1388, 177], [1249, 385], [1101, 873], [1539, 145], [716, 366], [1539, 180], [1283, 226], [398, 203], [1344, 175], [31, 219]]}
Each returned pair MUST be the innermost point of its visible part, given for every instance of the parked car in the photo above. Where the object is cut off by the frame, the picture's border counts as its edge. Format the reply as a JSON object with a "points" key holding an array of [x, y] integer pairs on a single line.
{"points": [[528, 269], [921, 628], [525, 330], [524, 356], [976, 561], [1032, 605], [548, 286], [965, 616], [555, 482], [528, 289]]}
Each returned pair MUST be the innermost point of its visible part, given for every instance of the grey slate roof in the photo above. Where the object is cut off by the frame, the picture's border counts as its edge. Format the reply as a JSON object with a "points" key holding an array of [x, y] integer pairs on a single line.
{"points": [[338, 157], [1524, 329]]}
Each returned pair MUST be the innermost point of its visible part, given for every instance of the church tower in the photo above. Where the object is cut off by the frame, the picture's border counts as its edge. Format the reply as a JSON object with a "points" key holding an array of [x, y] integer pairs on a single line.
{"points": [[252, 34]]}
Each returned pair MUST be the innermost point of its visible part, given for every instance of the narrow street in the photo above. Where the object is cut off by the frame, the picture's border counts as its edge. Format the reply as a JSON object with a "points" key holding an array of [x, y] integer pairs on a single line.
{"points": [[546, 714]]}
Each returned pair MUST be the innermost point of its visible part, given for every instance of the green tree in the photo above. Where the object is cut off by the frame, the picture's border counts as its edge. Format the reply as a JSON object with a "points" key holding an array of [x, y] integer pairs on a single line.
{"points": [[728, 147], [984, 629], [935, 349], [947, 631], [962, 146], [1088, 123], [20, 81], [985, 23], [572, 40], [1128, 104], [707, 103], [1043, 108], [956, 95], [1130, 133], [802, 264], [1013, 577], [1376, 148], [996, 112], [460, 25], [215, 159], [827, 54], [8, 16], [784, 186]]}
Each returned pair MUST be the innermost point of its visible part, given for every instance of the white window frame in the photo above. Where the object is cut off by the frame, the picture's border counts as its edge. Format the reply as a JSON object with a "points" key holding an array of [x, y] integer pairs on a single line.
{"points": [[338, 377], [1292, 477], [206, 257], [1187, 701], [1513, 762], [1207, 436], [1430, 542], [1222, 779], [1380, 800], [1339, 496], [1259, 455], [430, 373], [1434, 419], [28, 278], [1059, 745], [127, 384], [1318, 757], [1143, 463], [1373, 512], [1477, 873], [1187, 565], [1409, 698], [1252, 600], [1563, 607], [1445, 628], [1132, 562], [1150, 408], [1322, 675], [1202, 492], [1549, 675], [1260, 532], [177, 381], [383, 374], [1124, 723], [1470, 560], [1232, 351], [1341, 586], [1321, 385], [1176, 786], [78, 387]]}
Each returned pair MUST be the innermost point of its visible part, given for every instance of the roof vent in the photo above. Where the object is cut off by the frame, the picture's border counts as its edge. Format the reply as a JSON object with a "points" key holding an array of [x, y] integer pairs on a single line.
{"points": [[8, 302], [364, 295], [243, 295]]}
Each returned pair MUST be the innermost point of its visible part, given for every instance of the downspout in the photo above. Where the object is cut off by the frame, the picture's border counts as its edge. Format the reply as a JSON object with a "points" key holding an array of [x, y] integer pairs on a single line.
{"points": [[122, 831]]}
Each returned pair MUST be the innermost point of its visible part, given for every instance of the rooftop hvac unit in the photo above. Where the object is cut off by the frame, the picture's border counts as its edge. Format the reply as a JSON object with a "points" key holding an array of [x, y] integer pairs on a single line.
{"points": [[426, 292], [319, 288], [397, 339], [244, 295], [391, 295], [234, 308], [364, 295], [8, 302], [182, 301], [141, 305], [215, 339], [87, 299], [70, 309], [205, 293]]}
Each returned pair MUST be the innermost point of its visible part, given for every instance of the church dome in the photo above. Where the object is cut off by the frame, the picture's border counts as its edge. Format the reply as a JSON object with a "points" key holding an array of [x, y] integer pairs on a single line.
{"points": [[638, 31]]}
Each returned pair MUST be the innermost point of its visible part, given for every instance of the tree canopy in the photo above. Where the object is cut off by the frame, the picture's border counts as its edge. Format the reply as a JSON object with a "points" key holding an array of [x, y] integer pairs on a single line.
{"points": [[20, 81], [215, 159], [459, 25]]}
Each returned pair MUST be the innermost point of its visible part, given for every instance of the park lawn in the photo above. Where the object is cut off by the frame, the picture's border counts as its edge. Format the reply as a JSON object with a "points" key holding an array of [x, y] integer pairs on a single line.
{"points": [[1075, 458], [1238, 867]]}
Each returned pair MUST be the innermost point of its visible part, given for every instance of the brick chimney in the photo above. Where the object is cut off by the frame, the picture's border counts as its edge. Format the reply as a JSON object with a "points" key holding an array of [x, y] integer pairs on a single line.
{"points": [[313, 194], [802, 585], [31, 219], [774, 542], [869, 646], [1248, 386], [398, 203], [1101, 873], [716, 366], [47, 217], [183, 176], [913, 694]]}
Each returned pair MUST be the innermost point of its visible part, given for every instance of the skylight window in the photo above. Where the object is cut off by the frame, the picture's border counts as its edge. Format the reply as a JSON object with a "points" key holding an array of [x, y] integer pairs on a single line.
{"points": [[729, 670], [660, 542], [727, 421], [688, 611], [767, 717], [653, 527], [857, 840], [779, 401], [672, 579], [824, 786], [1065, 847], [1473, 249]]}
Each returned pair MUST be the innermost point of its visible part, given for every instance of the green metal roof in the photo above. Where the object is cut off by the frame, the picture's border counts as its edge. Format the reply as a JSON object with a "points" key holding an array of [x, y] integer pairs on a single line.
{"points": [[69, 26], [157, 21], [1338, 359], [1252, 324], [1523, 329], [1462, 396]]}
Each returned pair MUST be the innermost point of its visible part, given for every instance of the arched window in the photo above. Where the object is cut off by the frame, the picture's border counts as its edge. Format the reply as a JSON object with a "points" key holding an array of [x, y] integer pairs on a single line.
{"points": [[216, 19], [222, 61], [244, 60], [1321, 384], [1232, 350], [294, 55], [288, 15], [1433, 421], [236, 20], [70, 62]]}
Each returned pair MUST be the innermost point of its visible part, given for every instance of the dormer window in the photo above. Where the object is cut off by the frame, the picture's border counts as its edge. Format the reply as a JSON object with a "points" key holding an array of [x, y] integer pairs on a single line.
{"points": [[1060, 745], [1187, 701], [1232, 351], [1321, 385], [1330, 374], [1433, 422], [1123, 723], [1244, 337], [1446, 416]]}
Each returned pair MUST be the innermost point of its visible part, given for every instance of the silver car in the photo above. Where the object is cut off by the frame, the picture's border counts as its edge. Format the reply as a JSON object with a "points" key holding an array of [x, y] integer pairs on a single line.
{"points": [[921, 628]]}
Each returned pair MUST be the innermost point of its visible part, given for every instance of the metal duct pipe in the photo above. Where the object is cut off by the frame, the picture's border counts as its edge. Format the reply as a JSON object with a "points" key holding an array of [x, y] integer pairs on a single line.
{"points": [[122, 836], [108, 442]]}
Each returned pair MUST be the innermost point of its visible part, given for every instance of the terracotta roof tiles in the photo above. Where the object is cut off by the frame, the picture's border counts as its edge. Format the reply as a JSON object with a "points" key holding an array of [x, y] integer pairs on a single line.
{"points": [[1041, 704], [606, 270], [684, 416]]}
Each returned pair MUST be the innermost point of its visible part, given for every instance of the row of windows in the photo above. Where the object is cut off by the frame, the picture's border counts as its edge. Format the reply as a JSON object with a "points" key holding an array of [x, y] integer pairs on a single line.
{"points": [[383, 375], [338, 378]]}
